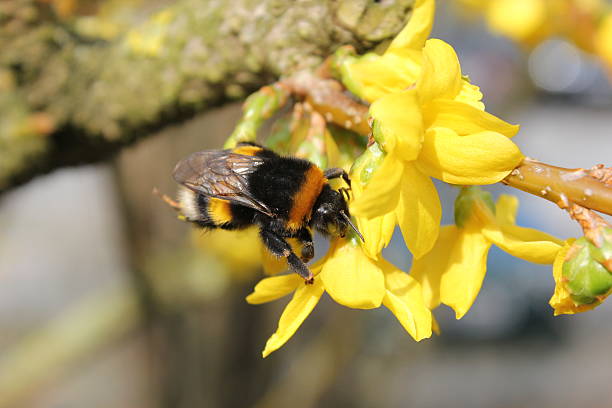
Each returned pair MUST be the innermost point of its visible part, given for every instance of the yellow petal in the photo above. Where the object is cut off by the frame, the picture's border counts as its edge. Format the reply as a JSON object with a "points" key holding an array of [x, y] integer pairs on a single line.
{"points": [[377, 233], [465, 272], [429, 269], [441, 73], [464, 118], [381, 194], [373, 76], [505, 209], [419, 211], [273, 288], [525, 243], [398, 124], [351, 278], [471, 95], [435, 326], [479, 158], [413, 36], [272, 265], [404, 298], [296, 311]]}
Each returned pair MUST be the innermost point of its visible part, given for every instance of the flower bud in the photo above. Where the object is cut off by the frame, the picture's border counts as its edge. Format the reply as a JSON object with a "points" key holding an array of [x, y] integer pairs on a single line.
{"points": [[365, 165], [586, 270], [471, 202]]}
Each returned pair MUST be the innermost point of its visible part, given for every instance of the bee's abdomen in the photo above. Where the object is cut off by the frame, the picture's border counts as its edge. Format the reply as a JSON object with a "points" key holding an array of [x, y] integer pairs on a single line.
{"points": [[211, 212]]}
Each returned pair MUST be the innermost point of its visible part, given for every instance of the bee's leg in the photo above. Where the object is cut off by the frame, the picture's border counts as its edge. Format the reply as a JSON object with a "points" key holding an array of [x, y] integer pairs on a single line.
{"points": [[279, 247], [337, 172], [305, 237]]}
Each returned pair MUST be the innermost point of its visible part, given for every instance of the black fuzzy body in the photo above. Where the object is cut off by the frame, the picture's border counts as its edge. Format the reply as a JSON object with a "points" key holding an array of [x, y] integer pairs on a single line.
{"points": [[249, 185]]}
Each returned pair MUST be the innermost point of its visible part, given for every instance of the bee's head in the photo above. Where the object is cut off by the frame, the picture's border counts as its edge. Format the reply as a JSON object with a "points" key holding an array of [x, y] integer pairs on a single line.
{"points": [[330, 214]]}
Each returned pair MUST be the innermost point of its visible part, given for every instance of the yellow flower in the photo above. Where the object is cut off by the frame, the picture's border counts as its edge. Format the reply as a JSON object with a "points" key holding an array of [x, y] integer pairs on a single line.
{"points": [[531, 26], [438, 128], [603, 41], [372, 76], [452, 273], [352, 279]]}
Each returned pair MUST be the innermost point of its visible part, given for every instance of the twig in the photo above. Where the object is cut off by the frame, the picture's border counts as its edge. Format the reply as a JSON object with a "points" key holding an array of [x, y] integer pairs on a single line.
{"points": [[327, 97], [591, 223], [590, 189]]}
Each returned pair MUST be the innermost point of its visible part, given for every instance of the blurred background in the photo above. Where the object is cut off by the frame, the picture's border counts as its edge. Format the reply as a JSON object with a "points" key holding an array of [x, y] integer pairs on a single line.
{"points": [[107, 300]]}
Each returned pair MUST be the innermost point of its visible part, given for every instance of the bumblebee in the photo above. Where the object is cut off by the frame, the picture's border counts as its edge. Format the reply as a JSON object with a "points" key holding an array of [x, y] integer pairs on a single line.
{"points": [[286, 197]]}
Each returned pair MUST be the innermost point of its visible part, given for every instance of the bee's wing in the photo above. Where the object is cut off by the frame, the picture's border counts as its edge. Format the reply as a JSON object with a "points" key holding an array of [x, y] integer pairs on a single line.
{"points": [[221, 174]]}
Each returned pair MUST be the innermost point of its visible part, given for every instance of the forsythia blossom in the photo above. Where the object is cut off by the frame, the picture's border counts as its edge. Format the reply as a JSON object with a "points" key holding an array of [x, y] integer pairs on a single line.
{"points": [[352, 279], [430, 122], [453, 272]]}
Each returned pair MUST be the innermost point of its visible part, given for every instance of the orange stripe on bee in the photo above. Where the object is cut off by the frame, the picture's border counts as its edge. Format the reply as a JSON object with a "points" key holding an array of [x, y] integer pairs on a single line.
{"points": [[305, 197], [219, 211], [247, 150]]}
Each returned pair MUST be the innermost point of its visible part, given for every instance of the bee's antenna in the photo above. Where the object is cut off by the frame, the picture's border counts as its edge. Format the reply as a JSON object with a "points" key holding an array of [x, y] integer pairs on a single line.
{"points": [[348, 219]]}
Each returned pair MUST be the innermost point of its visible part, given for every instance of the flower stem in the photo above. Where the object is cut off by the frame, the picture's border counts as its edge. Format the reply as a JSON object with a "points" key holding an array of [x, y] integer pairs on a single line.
{"points": [[590, 189], [327, 97]]}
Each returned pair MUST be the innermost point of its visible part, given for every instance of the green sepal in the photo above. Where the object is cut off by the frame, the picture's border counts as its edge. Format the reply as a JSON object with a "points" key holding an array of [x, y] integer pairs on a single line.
{"points": [[280, 135], [464, 203], [585, 269], [258, 107], [366, 164]]}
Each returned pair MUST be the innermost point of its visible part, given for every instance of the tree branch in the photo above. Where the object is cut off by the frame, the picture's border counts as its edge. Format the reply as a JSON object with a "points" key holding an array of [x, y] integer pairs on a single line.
{"points": [[68, 100], [591, 189]]}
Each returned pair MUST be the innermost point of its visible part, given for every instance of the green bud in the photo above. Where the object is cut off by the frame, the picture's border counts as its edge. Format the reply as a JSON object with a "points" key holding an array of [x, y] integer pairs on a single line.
{"points": [[464, 203], [366, 164], [586, 269], [378, 134]]}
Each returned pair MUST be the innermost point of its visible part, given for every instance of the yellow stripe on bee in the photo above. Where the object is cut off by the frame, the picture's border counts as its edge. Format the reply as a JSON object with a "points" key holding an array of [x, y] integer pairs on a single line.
{"points": [[305, 197], [219, 211], [247, 150]]}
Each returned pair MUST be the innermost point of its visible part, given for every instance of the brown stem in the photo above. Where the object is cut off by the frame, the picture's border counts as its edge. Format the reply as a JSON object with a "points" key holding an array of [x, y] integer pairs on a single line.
{"points": [[327, 97], [588, 188], [591, 223]]}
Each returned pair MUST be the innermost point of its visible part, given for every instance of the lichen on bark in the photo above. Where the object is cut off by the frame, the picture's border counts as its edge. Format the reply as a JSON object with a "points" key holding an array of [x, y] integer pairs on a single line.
{"points": [[68, 99]]}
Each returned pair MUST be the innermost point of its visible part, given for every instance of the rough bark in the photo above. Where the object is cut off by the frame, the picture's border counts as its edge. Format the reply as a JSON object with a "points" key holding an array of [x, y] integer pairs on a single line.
{"points": [[66, 100]]}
